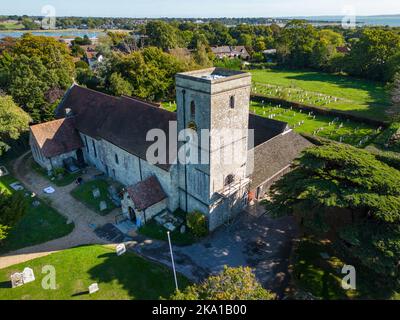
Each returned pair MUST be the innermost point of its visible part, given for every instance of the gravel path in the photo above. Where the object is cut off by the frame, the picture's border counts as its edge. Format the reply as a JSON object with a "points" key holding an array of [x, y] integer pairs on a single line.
{"points": [[85, 220]]}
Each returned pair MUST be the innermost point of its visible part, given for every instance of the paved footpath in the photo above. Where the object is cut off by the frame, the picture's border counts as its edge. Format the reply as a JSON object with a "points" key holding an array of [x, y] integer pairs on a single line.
{"points": [[85, 220]]}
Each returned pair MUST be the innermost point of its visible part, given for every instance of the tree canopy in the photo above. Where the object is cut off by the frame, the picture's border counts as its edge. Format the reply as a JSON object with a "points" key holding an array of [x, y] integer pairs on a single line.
{"points": [[33, 71], [12, 209], [13, 121], [147, 74], [231, 284], [339, 181]]}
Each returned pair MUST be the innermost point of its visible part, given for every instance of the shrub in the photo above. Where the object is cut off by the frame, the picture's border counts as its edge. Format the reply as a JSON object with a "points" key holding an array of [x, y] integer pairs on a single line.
{"points": [[196, 222], [59, 171], [231, 284]]}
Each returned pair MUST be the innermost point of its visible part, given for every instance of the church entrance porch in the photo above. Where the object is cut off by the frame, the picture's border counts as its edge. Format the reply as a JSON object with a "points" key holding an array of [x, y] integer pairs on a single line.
{"points": [[132, 215]]}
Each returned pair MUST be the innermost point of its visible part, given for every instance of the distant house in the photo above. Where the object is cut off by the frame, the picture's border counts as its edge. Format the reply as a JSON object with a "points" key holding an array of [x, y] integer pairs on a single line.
{"points": [[93, 58], [343, 49], [231, 52]]}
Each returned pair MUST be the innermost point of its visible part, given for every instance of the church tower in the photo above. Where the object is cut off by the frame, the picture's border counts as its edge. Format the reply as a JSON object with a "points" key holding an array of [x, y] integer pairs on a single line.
{"points": [[214, 103]]}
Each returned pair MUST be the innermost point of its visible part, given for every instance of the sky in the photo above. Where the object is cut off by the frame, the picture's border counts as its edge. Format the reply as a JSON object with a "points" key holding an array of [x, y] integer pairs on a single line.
{"points": [[200, 8]]}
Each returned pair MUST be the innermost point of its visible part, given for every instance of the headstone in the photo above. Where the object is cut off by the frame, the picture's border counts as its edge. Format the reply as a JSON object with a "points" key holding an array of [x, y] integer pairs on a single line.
{"points": [[120, 249], [93, 288], [17, 280], [103, 205], [183, 229], [28, 275], [96, 193]]}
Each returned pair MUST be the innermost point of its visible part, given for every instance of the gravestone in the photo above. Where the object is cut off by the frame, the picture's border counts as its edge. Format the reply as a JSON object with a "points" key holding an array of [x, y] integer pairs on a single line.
{"points": [[17, 280], [183, 229], [96, 193], [28, 275], [121, 249], [103, 205], [93, 288]]}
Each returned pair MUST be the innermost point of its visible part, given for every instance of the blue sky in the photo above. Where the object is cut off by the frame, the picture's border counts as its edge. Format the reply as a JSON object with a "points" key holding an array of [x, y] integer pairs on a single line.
{"points": [[200, 8]]}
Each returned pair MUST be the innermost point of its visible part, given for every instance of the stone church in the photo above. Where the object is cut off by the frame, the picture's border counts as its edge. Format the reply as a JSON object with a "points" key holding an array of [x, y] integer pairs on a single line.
{"points": [[109, 133]]}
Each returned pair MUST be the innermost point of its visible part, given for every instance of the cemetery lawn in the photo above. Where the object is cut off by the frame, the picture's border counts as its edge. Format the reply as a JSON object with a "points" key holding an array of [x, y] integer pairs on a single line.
{"points": [[351, 132], [84, 193], [40, 224], [119, 278], [359, 97], [125, 277], [322, 277]]}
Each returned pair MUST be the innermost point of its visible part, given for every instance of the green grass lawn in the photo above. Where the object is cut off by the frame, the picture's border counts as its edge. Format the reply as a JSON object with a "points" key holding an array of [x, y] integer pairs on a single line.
{"points": [[322, 277], [345, 131], [119, 278], [84, 193], [170, 106], [360, 97], [11, 26], [40, 224], [155, 231]]}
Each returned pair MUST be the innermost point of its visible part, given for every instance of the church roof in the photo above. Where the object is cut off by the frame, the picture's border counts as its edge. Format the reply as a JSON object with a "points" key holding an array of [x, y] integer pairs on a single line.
{"points": [[56, 137], [122, 121], [276, 154], [146, 193], [125, 121]]}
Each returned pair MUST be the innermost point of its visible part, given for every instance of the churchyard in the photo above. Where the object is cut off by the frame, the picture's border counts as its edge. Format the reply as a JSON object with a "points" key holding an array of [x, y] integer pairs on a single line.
{"points": [[358, 134], [359, 97], [40, 224], [95, 195], [331, 127], [123, 277]]}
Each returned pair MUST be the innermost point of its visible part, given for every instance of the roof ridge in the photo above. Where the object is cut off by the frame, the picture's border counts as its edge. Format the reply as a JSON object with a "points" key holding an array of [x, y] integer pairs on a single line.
{"points": [[49, 122]]}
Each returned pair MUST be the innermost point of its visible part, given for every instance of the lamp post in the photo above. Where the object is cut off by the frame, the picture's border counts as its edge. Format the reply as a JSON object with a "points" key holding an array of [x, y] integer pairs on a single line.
{"points": [[172, 259]]}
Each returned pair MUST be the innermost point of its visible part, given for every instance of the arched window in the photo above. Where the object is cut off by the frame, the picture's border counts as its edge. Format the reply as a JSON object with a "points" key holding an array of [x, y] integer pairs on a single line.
{"points": [[116, 159], [232, 102], [229, 179], [192, 109]]}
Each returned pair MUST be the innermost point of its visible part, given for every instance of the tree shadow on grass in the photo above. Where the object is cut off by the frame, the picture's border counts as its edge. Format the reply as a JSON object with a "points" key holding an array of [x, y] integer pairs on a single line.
{"points": [[140, 278], [5, 285]]}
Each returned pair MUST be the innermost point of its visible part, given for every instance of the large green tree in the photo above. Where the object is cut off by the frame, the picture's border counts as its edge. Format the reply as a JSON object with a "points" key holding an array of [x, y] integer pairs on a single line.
{"points": [[371, 53], [346, 194], [295, 44], [35, 72], [12, 209], [13, 121], [231, 284], [148, 73], [162, 35]]}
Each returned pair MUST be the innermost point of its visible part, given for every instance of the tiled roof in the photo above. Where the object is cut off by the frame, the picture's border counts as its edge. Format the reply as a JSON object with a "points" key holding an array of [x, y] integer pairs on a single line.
{"points": [[275, 154], [123, 121], [146, 193], [57, 137]]}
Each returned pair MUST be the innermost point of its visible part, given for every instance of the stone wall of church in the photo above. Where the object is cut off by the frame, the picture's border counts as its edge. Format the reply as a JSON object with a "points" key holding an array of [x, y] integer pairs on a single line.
{"points": [[49, 163], [128, 169]]}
